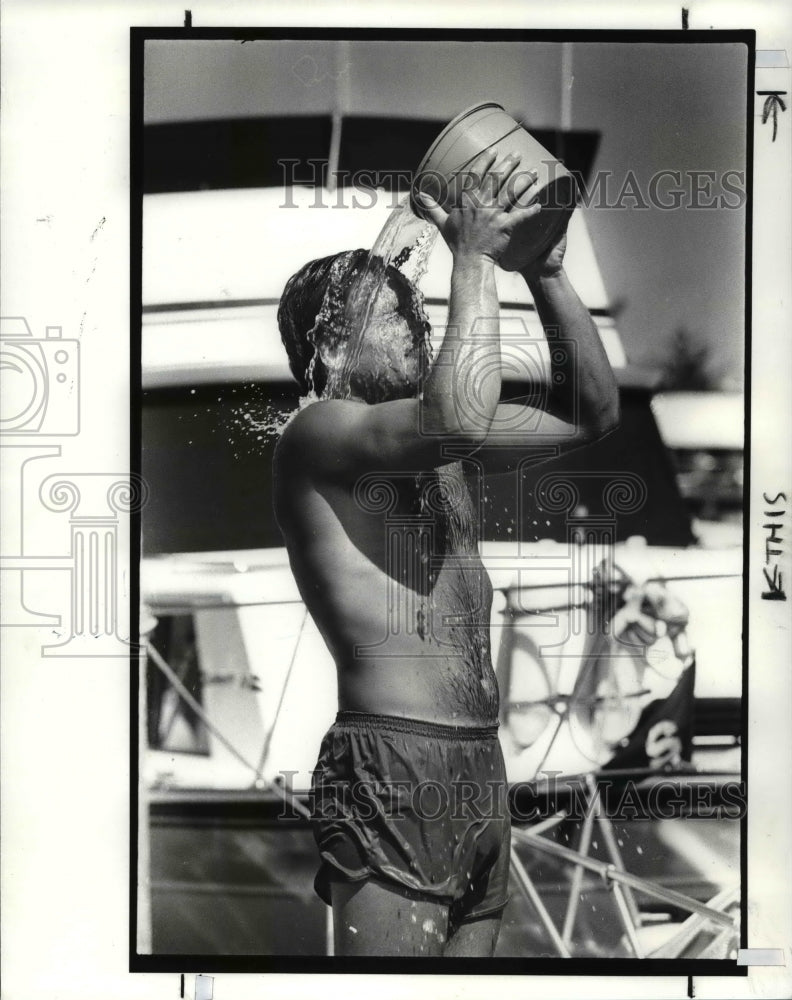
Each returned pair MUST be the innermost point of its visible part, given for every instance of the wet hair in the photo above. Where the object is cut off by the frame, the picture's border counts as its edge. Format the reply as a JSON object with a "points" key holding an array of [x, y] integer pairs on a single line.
{"points": [[312, 307]]}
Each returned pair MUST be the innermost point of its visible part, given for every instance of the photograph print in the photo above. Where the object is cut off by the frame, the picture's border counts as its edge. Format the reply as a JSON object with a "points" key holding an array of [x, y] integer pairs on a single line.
{"points": [[441, 413]]}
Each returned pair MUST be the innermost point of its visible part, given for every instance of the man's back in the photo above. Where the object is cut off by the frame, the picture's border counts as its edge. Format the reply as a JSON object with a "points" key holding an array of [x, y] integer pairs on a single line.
{"points": [[388, 566]]}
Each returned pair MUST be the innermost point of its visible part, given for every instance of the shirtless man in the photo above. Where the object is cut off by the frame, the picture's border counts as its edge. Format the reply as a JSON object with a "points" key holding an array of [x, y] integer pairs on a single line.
{"points": [[410, 810]]}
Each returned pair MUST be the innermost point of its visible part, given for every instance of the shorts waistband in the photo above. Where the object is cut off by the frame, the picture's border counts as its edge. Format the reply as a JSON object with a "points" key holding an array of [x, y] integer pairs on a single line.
{"points": [[415, 727]]}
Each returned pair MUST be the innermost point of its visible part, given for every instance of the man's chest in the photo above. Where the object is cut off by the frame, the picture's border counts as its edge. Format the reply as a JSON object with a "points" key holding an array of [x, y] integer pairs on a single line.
{"points": [[432, 508]]}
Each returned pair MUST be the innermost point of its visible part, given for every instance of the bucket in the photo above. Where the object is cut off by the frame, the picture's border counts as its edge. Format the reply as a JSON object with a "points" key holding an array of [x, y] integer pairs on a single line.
{"points": [[489, 126]]}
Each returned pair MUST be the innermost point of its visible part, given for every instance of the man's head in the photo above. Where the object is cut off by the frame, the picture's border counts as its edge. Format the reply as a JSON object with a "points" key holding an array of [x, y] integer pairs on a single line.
{"points": [[322, 306]]}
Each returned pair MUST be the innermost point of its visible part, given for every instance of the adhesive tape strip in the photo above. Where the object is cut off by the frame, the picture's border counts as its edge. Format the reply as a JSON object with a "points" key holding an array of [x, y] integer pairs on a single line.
{"points": [[761, 956]]}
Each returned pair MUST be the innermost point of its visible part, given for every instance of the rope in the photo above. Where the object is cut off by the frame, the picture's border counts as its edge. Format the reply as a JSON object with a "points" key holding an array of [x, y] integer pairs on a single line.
{"points": [[175, 609], [198, 605], [511, 589], [195, 705], [268, 738]]}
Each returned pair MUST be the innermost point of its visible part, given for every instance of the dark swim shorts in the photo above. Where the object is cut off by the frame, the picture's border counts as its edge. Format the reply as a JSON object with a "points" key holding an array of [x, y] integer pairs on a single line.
{"points": [[419, 807]]}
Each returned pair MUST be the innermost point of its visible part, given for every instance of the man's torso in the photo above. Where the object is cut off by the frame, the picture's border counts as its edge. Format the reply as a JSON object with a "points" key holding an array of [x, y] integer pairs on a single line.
{"points": [[388, 566]]}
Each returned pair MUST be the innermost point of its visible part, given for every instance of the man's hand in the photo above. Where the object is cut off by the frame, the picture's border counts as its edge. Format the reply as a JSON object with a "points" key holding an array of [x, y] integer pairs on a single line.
{"points": [[549, 263], [480, 225]]}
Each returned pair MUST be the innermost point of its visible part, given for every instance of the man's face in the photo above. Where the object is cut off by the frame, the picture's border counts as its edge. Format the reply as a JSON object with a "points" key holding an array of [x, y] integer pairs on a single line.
{"points": [[394, 352], [389, 359]]}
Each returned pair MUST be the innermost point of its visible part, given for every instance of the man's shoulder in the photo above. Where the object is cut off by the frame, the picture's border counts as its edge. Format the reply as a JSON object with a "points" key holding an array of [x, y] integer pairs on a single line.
{"points": [[312, 429]]}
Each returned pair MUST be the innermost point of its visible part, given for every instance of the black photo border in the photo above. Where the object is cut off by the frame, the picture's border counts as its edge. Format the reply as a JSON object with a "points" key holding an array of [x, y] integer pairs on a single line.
{"points": [[183, 963]]}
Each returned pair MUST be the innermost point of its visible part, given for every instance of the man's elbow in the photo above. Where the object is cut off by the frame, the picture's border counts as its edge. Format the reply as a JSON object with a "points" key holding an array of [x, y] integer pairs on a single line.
{"points": [[605, 421], [466, 434], [462, 428], [611, 417]]}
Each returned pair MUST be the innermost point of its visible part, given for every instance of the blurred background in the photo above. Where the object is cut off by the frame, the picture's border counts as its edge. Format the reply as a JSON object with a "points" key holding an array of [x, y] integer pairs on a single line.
{"points": [[249, 153], [215, 119]]}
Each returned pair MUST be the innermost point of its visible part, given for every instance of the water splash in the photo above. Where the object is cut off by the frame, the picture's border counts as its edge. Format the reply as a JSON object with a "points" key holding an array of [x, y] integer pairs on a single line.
{"points": [[405, 242], [413, 261], [262, 421], [254, 421]]}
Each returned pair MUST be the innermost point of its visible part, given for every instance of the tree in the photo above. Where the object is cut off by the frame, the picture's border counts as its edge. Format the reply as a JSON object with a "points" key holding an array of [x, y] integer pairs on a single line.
{"points": [[688, 365]]}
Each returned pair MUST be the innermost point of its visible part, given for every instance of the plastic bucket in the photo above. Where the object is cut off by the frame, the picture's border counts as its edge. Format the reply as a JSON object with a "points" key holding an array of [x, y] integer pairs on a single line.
{"points": [[488, 126]]}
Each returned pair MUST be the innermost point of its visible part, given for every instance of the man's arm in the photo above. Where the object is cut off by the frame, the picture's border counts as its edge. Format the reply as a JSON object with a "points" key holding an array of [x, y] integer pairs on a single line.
{"points": [[460, 402], [582, 387], [461, 393], [582, 402]]}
